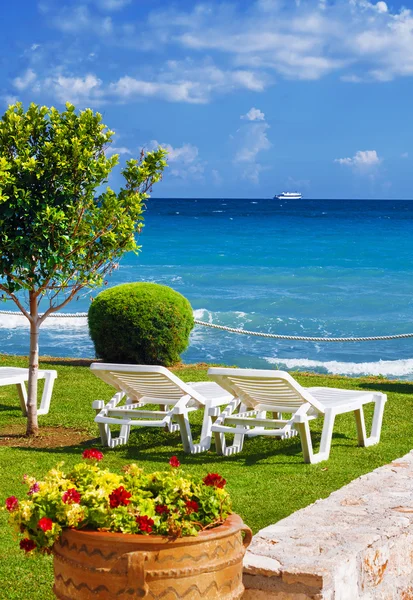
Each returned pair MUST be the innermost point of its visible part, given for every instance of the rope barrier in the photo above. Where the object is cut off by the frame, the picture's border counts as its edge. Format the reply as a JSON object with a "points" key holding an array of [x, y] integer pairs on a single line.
{"points": [[275, 336], [304, 338], [14, 313]]}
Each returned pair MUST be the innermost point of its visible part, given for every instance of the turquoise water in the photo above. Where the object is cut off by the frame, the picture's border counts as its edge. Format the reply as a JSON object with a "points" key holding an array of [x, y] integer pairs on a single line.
{"points": [[310, 267]]}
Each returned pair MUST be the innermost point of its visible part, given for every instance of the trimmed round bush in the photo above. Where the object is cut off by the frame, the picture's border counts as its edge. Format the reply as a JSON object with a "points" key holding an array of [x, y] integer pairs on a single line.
{"points": [[141, 323]]}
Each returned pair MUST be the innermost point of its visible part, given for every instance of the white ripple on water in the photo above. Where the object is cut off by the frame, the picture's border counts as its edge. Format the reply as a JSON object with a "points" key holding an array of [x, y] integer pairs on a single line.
{"points": [[388, 368]]}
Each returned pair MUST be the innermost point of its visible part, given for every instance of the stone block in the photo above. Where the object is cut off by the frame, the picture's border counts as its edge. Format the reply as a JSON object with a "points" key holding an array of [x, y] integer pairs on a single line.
{"points": [[357, 544]]}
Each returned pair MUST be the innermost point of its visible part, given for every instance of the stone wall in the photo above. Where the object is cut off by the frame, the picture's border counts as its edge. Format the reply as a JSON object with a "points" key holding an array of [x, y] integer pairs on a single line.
{"points": [[357, 544]]}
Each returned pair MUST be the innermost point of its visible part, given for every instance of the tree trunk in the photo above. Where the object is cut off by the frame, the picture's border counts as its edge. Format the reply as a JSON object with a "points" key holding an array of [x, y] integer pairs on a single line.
{"points": [[32, 425]]}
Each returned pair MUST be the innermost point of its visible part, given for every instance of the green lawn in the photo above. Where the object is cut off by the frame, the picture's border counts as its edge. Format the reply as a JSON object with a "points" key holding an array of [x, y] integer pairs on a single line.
{"points": [[268, 481]]}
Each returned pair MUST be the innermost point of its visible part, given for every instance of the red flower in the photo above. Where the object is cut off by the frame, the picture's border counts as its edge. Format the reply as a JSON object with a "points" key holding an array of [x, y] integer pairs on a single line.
{"points": [[214, 480], [34, 489], [12, 503], [161, 509], [45, 524], [93, 454], [71, 496], [191, 506], [145, 524], [119, 497], [174, 462], [27, 545]]}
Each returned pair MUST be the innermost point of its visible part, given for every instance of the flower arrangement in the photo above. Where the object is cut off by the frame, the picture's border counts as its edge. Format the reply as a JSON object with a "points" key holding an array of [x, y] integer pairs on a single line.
{"points": [[167, 503]]}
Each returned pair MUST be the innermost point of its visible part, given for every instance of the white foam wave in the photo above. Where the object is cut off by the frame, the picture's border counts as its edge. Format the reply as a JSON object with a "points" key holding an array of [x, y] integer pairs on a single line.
{"points": [[388, 368], [20, 322], [202, 313]]}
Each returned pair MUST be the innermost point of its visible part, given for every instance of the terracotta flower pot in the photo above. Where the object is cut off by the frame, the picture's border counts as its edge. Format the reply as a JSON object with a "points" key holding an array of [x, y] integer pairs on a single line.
{"points": [[91, 565]]}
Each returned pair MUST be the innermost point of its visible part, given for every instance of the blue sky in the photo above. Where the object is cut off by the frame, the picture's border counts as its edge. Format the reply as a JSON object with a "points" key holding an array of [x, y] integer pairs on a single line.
{"points": [[250, 97]]}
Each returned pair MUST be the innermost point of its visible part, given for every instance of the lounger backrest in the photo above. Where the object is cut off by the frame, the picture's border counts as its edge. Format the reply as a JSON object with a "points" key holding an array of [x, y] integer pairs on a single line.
{"points": [[275, 389], [143, 381]]}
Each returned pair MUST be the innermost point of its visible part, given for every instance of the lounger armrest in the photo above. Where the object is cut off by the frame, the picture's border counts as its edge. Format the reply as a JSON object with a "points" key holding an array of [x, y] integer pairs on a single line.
{"points": [[179, 410], [297, 418], [181, 407], [98, 404]]}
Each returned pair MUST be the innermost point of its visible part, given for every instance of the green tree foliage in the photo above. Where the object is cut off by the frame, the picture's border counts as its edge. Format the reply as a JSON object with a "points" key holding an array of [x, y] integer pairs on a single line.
{"points": [[57, 235], [142, 323]]}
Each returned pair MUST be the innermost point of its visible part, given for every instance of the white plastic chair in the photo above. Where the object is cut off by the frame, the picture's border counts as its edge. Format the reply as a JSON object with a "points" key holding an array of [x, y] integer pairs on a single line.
{"points": [[140, 385], [19, 377], [257, 392]]}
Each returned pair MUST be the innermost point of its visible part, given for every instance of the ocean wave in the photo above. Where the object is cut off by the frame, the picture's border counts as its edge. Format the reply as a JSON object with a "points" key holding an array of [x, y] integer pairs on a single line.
{"points": [[387, 368], [202, 314], [19, 321]]}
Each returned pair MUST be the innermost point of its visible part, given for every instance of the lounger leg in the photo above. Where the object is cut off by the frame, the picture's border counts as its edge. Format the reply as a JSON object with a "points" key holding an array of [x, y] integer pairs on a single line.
{"points": [[186, 434], [303, 429], [326, 437], [292, 433], [221, 444], [361, 426], [104, 428], [21, 390], [220, 441], [47, 393], [374, 438], [210, 415], [104, 431]]}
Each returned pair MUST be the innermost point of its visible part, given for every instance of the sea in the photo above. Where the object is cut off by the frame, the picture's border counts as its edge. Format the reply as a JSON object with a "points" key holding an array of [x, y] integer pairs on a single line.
{"points": [[325, 268]]}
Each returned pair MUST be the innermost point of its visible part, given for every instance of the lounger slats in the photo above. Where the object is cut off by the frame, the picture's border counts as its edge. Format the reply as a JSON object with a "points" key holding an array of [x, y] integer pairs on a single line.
{"points": [[272, 392], [154, 385]]}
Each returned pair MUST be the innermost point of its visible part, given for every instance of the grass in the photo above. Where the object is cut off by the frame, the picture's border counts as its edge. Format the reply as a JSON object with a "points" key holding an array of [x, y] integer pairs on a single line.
{"points": [[268, 481]]}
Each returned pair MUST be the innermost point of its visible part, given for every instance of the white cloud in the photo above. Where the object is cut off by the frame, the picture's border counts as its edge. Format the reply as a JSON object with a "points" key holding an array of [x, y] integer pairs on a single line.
{"points": [[363, 160], [120, 150], [128, 87], [78, 90], [351, 78], [216, 177], [188, 81], [24, 81], [304, 41], [177, 81], [79, 19], [186, 154], [112, 4], [184, 161], [254, 43], [34, 47], [253, 138], [250, 140], [404, 155], [381, 7], [8, 100], [254, 114]]}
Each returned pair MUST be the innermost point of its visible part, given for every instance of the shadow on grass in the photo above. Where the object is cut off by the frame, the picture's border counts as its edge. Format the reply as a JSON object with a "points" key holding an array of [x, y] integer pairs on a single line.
{"points": [[395, 388], [158, 447], [9, 407]]}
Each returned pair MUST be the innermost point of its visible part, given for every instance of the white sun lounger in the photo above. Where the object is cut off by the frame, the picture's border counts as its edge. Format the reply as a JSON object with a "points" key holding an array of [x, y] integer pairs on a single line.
{"points": [[140, 385], [19, 376], [257, 392]]}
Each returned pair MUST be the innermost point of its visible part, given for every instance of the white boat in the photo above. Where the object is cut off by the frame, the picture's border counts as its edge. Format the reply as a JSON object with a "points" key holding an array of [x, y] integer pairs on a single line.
{"points": [[289, 196]]}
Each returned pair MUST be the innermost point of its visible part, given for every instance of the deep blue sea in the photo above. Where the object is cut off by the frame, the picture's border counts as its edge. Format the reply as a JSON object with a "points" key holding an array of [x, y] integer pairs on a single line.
{"points": [[308, 267]]}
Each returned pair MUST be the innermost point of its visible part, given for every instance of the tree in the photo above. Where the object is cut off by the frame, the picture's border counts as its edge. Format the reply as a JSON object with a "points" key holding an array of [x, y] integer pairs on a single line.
{"points": [[56, 235]]}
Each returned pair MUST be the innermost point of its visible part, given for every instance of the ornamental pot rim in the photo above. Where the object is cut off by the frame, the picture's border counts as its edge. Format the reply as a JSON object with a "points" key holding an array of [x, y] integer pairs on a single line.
{"points": [[232, 524]]}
